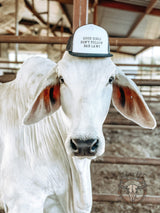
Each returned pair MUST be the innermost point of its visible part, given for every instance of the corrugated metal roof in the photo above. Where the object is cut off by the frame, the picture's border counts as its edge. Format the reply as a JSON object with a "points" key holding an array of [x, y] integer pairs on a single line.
{"points": [[136, 2], [115, 21], [143, 3], [148, 28]]}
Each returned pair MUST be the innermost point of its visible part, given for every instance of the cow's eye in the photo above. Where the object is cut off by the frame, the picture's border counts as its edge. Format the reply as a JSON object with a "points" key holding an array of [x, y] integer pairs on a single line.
{"points": [[111, 79], [61, 80]]}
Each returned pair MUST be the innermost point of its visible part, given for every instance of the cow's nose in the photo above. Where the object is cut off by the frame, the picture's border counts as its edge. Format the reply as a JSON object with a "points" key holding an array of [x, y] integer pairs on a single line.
{"points": [[84, 147]]}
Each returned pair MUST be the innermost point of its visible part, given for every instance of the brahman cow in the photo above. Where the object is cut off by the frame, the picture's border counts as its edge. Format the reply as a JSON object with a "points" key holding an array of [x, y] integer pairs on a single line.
{"points": [[51, 128]]}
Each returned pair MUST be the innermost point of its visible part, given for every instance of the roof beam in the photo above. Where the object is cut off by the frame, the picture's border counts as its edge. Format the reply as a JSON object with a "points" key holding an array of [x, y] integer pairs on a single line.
{"points": [[121, 52], [63, 40], [65, 12], [118, 5], [35, 13], [33, 10], [33, 39], [54, 26], [80, 12], [143, 49], [127, 7], [64, 1], [134, 42], [140, 18], [121, 6], [29, 6], [29, 23]]}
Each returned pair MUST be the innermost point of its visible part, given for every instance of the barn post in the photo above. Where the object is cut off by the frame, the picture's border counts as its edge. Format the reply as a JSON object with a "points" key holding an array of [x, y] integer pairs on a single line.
{"points": [[16, 28], [95, 13], [80, 13]]}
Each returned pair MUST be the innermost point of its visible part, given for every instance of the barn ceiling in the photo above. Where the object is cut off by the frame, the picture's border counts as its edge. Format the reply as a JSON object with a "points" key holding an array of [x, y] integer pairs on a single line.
{"points": [[121, 18]]}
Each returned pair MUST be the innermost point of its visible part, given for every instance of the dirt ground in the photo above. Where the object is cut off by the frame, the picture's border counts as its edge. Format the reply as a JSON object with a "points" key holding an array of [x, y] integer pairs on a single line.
{"points": [[106, 177]]}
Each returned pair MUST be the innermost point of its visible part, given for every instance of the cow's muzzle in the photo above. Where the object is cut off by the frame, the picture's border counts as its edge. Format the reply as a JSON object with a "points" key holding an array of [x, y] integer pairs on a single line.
{"points": [[84, 147]]}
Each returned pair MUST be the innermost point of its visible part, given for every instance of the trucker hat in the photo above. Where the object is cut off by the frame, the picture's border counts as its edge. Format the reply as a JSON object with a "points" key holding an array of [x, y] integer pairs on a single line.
{"points": [[89, 41]]}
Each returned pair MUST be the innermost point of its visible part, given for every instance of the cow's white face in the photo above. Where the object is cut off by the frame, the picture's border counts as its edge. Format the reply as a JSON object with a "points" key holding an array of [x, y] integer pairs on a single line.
{"points": [[86, 91], [83, 87]]}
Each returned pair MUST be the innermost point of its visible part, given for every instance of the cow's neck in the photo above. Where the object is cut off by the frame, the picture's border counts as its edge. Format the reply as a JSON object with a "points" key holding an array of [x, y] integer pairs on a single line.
{"points": [[80, 178], [82, 189]]}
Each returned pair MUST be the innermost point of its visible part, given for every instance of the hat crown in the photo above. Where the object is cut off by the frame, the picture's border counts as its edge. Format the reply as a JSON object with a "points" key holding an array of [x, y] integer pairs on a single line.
{"points": [[89, 41]]}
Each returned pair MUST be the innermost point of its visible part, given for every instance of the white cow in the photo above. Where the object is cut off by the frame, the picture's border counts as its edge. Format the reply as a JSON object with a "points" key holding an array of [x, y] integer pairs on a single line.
{"points": [[45, 163]]}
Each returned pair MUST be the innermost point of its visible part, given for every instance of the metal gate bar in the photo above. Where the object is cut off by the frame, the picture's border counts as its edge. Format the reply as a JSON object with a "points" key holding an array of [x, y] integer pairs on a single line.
{"points": [[117, 198], [117, 126], [128, 160]]}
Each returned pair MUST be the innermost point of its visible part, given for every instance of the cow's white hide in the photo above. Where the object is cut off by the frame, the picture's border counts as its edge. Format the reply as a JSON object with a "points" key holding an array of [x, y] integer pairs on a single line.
{"points": [[38, 170]]}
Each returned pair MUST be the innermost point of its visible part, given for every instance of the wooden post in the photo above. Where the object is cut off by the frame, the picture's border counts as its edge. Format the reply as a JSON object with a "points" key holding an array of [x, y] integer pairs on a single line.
{"points": [[17, 28], [95, 13], [80, 13]]}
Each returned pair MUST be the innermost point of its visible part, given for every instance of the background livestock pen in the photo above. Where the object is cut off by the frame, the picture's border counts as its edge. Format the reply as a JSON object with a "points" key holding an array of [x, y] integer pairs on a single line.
{"points": [[42, 27]]}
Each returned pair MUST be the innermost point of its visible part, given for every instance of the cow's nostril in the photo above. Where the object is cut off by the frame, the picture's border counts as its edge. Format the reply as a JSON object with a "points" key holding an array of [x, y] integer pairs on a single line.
{"points": [[94, 146], [73, 145]]}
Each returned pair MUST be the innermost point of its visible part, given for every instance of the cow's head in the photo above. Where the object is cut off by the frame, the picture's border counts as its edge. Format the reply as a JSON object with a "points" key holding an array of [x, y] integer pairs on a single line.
{"points": [[84, 87]]}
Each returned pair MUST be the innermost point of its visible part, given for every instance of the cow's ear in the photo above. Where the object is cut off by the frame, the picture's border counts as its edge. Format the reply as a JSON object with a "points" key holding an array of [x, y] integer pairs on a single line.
{"points": [[46, 103], [129, 102]]}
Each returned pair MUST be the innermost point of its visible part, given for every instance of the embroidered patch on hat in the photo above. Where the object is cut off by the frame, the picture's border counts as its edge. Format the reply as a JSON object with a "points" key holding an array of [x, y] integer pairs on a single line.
{"points": [[89, 41]]}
